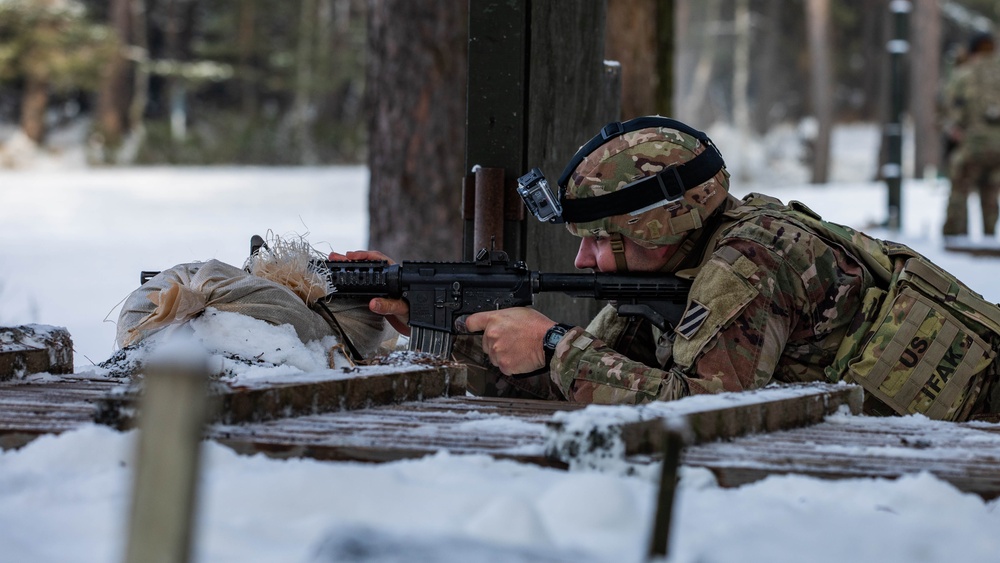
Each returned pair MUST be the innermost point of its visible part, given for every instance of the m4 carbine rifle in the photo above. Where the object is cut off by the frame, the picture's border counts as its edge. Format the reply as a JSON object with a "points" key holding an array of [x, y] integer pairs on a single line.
{"points": [[438, 293]]}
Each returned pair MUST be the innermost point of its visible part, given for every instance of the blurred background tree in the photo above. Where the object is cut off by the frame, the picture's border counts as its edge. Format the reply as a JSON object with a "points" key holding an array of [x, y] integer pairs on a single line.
{"points": [[284, 81], [272, 82], [47, 47]]}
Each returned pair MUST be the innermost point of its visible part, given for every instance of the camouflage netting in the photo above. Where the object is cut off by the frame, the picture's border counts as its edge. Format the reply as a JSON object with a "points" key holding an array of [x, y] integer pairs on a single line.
{"points": [[284, 288]]}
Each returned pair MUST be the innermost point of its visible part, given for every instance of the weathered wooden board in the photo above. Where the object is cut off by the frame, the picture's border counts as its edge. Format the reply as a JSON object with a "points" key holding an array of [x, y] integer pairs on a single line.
{"points": [[309, 394], [513, 429], [29, 349], [966, 455], [752, 412], [29, 409]]}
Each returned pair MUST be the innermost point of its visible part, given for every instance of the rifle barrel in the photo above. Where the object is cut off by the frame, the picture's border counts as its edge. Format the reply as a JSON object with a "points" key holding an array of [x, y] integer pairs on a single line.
{"points": [[652, 286]]}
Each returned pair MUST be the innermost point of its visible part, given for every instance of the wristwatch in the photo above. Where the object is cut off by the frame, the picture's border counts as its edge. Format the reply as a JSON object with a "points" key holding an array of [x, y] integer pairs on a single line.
{"points": [[552, 338]]}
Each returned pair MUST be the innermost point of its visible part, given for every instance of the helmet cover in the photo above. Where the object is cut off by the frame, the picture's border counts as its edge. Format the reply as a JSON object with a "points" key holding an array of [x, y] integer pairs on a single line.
{"points": [[630, 157]]}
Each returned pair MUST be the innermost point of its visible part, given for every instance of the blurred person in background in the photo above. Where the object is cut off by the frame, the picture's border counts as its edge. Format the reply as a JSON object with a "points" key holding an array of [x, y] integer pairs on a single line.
{"points": [[972, 123]]}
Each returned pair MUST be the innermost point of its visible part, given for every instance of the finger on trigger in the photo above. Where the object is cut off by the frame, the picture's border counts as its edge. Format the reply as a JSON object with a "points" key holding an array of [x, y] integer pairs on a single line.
{"points": [[473, 321]]}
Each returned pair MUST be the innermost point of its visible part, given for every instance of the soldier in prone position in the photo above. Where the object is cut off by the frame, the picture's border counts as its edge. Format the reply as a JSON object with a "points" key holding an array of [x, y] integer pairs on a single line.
{"points": [[778, 294]]}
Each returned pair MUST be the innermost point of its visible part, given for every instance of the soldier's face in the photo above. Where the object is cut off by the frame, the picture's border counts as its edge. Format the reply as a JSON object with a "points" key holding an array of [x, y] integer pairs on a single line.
{"points": [[595, 253]]}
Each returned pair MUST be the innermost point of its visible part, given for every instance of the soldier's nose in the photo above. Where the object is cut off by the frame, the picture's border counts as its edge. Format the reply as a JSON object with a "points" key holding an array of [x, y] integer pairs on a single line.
{"points": [[585, 257]]}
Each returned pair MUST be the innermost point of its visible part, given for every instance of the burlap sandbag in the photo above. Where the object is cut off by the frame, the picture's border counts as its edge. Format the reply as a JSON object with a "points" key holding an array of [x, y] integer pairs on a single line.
{"points": [[184, 291], [369, 333], [294, 263]]}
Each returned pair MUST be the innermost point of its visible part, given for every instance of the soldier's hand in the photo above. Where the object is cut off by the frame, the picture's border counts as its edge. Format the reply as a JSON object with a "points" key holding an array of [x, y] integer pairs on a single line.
{"points": [[512, 338], [396, 311]]}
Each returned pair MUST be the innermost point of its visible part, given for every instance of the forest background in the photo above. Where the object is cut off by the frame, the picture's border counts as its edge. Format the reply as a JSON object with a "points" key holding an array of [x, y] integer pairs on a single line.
{"points": [[383, 83]]}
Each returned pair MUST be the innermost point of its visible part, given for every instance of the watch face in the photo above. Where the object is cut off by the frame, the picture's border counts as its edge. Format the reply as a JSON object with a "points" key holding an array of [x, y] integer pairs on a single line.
{"points": [[553, 336]]}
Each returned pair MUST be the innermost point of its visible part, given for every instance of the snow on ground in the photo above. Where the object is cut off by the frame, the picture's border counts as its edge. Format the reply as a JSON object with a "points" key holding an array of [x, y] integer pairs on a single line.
{"points": [[76, 240]]}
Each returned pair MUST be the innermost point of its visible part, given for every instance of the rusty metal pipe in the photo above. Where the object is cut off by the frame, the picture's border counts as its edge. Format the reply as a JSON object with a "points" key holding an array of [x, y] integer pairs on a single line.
{"points": [[489, 209]]}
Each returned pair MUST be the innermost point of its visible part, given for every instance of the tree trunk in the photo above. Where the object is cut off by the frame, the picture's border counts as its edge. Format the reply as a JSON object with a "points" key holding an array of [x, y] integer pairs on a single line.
{"points": [[770, 73], [302, 108], [694, 109], [883, 64], [632, 41], [666, 48], [33, 104], [416, 84], [682, 57], [925, 65], [818, 22], [246, 36], [137, 108], [741, 81], [177, 39], [873, 34], [113, 98]]}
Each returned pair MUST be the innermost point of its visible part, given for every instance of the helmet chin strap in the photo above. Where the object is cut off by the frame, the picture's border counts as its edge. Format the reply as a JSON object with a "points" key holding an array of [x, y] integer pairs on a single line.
{"points": [[618, 250]]}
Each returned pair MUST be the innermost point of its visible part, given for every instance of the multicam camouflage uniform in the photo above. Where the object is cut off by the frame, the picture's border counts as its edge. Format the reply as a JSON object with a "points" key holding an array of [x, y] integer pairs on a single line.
{"points": [[777, 295], [972, 105], [772, 302]]}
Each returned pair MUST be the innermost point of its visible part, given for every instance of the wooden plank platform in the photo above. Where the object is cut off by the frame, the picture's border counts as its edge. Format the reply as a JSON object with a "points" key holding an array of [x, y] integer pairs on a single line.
{"points": [[51, 405], [966, 455], [502, 428]]}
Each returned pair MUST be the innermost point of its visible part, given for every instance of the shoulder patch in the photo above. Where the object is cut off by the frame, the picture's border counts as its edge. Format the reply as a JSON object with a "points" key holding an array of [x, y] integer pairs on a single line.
{"points": [[722, 293], [692, 320]]}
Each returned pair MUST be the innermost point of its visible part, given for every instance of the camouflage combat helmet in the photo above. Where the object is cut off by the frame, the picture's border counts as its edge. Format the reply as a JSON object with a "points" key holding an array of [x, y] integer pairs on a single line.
{"points": [[651, 179]]}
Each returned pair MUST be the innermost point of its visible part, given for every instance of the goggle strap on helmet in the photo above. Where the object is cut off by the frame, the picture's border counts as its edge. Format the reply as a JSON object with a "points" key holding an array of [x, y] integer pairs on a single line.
{"points": [[667, 185], [618, 251]]}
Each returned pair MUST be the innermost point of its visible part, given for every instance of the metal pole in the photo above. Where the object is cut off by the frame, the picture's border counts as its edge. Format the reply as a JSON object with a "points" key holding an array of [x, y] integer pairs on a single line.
{"points": [[892, 171]]}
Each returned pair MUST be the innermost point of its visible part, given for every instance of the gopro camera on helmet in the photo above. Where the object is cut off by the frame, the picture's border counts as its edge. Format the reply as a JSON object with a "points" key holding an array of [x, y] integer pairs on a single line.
{"points": [[534, 189]]}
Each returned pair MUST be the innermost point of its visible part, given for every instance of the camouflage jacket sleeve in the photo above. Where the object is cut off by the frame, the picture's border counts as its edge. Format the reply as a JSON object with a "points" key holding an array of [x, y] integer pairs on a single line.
{"points": [[955, 100], [591, 366], [773, 302]]}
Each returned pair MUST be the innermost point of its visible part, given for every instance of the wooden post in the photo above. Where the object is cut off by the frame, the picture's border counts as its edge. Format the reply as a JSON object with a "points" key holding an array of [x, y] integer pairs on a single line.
{"points": [[673, 443], [496, 111], [567, 72], [172, 419], [538, 89]]}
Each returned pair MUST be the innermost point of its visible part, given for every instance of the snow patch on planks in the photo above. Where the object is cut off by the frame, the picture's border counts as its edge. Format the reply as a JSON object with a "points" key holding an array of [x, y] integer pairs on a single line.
{"points": [[702, 418], [729, 415]]}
